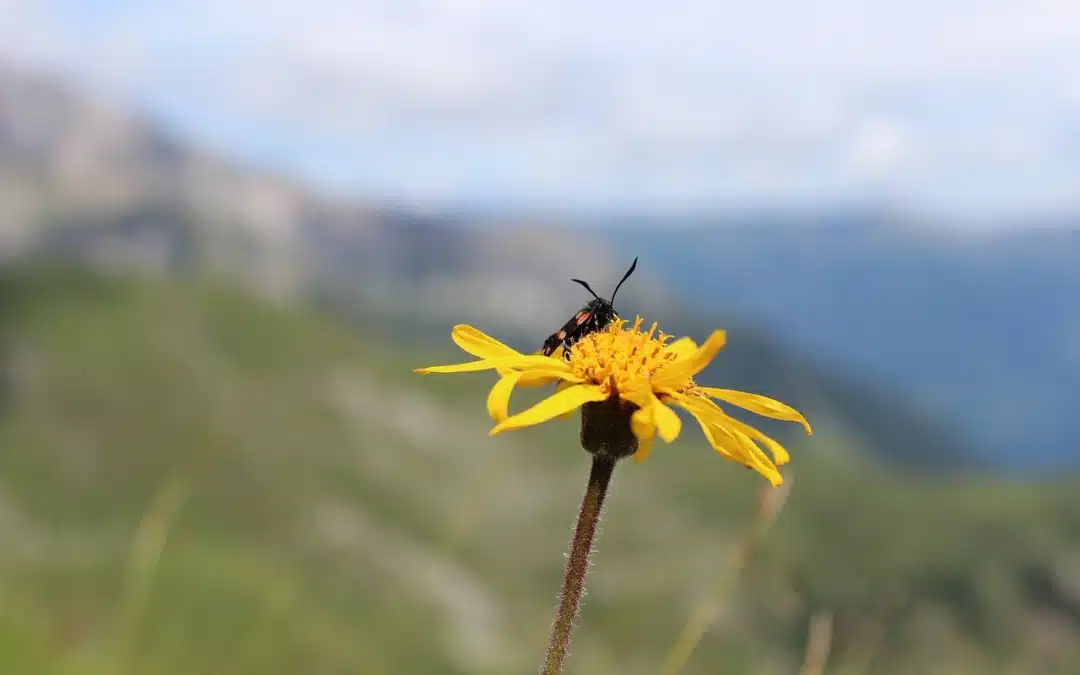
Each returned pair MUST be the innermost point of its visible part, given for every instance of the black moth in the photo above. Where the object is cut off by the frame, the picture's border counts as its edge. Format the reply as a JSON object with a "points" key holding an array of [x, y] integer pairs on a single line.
{"points": [[593, 317]]}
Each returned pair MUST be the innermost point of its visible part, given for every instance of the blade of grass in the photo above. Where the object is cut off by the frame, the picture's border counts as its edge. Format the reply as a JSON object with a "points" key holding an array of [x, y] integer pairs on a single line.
{"points": [[703, 615], [143, 559], [818, 643]]}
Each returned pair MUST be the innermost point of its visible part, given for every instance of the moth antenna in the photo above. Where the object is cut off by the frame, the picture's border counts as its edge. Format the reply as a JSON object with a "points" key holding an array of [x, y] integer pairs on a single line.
{"points": [[579, 281], [626, 276]]}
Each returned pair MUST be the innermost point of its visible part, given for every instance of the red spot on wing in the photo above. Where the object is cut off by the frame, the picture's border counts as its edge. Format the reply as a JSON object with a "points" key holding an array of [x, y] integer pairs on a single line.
{"points": [[582, 317]]}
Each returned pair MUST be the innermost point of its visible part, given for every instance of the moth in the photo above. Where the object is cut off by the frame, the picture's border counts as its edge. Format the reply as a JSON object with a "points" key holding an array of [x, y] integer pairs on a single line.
{"points": [[592, 318]]}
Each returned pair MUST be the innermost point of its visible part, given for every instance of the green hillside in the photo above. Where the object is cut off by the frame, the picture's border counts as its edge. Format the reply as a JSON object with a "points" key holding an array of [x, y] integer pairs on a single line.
{"points": [[192, 481]]}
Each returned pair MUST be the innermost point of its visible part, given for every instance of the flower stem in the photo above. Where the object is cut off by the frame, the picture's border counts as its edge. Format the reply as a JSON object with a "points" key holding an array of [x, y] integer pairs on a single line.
{"points": [[577, 564]]}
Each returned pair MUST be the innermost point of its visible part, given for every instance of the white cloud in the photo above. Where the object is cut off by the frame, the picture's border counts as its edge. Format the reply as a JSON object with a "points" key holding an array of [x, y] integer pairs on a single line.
{"points": [[606, 100], [1039, 27], [878, 145], [24, 30]]}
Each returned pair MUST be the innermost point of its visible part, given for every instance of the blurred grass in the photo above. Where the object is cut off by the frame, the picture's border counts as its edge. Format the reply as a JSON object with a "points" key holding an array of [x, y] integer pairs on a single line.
{"points": [[308, 505]]}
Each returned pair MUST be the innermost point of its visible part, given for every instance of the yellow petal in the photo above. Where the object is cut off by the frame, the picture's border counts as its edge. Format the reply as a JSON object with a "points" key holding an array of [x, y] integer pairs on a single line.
{"points": [[530, 379], [683, 347], [470, 367], [699, 408], [537, 377], [498, 402], [676, 374], [557, 404], [652, 414], [642, 424], [752, 456], [760, 461], [644, 449], [638, 391], [761, 405], [668, 423], [542, 364], [780, 455], [559, 353], [559, 387], [727, 440], [479, 344]]}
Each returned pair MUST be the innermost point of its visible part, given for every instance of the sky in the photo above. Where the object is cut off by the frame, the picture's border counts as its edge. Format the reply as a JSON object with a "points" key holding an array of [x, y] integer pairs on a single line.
{"points": [[962, 106]]}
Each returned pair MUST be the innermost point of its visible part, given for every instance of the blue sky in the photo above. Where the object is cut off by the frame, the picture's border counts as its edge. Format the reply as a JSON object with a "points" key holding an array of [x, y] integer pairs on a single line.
{"points": [[967, 106]]}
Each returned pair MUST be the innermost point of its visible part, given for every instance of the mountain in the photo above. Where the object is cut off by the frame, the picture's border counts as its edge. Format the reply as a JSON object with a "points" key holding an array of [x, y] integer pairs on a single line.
{"points": [[981, 327], [193, 479], [83, 181]]}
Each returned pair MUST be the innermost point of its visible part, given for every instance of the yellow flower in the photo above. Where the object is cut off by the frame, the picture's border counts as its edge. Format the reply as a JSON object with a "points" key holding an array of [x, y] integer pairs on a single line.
{"points": [[635, 367]]}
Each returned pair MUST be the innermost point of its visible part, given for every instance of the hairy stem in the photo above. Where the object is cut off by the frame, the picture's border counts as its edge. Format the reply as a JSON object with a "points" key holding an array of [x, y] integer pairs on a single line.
{"points": [[577, 564]]}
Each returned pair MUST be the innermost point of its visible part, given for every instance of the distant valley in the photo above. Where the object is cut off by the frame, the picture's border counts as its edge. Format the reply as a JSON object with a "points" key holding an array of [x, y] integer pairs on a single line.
{"points": [[982, 328]]}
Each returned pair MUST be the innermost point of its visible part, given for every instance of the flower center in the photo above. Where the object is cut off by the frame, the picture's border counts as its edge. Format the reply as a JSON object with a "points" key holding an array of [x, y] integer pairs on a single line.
{"points": [[617, 356]]}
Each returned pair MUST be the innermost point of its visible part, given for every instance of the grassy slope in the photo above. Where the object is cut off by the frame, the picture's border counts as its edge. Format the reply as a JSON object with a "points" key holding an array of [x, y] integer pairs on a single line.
{"points": [[319, 509]]}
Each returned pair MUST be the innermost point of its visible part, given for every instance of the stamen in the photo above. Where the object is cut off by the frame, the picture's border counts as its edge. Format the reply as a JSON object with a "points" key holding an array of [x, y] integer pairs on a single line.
{"points": [[613, 358]]}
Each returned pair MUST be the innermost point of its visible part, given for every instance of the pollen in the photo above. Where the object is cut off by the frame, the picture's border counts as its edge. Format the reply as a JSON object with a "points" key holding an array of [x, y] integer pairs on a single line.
{"points": [[614, 357]]}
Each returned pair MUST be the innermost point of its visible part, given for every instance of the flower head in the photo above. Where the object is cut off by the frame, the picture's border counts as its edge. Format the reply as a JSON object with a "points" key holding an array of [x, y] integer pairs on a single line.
{"points": [[642, 371]]}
